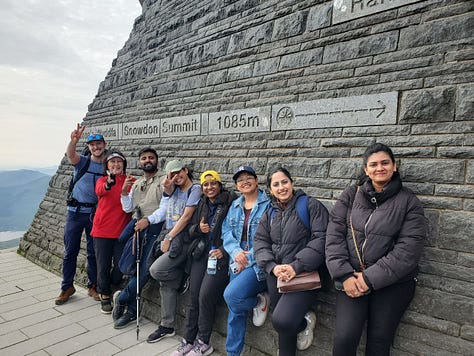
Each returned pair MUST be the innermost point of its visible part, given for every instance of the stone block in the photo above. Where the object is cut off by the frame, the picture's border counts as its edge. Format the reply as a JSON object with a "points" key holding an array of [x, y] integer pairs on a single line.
{"points": [[430, 105], [455, 231], [467, 332], [436, 171], [465, 102], [302, 59], [345, 168], [361, 47], [443, 305], [319, 16], [443, 30], [266, 66], [302, 167], [240, 72], [290, 25]]}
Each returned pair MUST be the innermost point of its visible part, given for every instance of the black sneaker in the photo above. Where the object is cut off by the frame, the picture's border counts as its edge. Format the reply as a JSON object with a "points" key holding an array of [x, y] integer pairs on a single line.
{"points": [[160, 333], [118, 309], [124, 320], [105, 306], [183, 288]]}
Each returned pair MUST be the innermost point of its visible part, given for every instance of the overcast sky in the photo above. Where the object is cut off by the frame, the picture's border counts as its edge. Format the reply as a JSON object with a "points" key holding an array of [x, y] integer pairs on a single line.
{"points": [[53, 56]]}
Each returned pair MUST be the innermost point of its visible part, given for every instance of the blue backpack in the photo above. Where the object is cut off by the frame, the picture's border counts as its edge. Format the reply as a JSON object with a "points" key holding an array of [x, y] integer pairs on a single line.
{"points": [[301, 210]]}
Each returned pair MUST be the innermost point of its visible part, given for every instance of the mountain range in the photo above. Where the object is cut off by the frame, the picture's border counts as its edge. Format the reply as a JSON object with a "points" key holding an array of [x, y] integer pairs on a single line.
{"points": [[21, 192]]}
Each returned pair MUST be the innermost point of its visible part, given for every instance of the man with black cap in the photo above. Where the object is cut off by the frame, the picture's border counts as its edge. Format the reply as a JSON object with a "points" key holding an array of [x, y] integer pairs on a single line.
{"points": [[81, 204]]}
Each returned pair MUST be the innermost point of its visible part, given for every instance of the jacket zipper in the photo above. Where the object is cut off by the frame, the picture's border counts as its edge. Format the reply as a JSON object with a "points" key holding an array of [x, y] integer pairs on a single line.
{"points": [[365, 227]]}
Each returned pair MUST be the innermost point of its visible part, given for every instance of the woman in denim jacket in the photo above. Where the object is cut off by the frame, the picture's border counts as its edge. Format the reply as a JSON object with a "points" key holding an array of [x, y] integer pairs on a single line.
{"points": [[247, 280]]}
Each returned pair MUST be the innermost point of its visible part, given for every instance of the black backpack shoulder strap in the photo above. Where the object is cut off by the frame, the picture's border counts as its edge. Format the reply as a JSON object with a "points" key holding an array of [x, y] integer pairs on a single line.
{"points": [[79, 175]]}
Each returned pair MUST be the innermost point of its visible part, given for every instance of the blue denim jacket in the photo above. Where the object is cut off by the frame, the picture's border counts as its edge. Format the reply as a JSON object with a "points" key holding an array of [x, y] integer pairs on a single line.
{"points": [[233, 225]]}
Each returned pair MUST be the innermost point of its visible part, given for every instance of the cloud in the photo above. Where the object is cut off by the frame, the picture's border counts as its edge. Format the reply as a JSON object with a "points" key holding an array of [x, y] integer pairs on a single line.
{"points": [[54, 54]]}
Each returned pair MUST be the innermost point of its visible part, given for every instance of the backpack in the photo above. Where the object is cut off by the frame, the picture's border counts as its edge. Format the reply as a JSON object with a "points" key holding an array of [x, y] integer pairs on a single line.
{"points": [[74, 179], [301, 210]]}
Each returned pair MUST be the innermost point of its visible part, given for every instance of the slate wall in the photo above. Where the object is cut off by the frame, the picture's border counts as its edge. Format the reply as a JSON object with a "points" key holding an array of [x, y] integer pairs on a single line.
{"points": [[194, 59]]}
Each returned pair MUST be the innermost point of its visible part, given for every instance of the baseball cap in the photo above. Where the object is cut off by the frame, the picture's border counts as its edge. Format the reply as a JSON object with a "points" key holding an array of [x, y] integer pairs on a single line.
{"points": [[174, 166], [241, 169], [95, 137], [214, 176]]}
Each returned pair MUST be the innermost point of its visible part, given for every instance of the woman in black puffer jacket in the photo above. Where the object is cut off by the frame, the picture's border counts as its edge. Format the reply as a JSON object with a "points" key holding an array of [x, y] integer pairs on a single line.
{"points": [[285, 247], [373, 246]]}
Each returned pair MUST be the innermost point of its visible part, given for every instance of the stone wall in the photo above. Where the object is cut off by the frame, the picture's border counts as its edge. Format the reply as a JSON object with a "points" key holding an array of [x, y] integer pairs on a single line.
{"points": [[306, 84]]}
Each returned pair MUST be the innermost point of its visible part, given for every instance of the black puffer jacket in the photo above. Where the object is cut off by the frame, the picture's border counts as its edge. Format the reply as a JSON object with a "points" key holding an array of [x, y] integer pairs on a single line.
{"points": [[389, 226], [286, 240], [222, 203]]}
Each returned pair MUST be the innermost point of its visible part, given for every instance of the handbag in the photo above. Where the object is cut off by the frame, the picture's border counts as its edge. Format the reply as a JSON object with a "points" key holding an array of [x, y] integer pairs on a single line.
{"points": [[301, 282]]}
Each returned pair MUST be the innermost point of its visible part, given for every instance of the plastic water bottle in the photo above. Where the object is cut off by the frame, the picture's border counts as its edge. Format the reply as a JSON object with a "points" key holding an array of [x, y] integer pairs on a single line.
{"points": [[212, 263]]}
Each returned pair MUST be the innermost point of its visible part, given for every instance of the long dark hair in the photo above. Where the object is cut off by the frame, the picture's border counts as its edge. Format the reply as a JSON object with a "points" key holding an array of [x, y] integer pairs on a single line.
{"points": [[370, 150], [278, 169]]}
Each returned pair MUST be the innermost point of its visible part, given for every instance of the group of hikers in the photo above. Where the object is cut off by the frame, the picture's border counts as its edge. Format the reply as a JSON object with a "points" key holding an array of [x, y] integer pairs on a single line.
{"points": [[241, 246]]}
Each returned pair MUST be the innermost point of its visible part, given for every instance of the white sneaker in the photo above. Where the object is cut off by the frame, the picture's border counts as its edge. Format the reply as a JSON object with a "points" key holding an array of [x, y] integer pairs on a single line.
{"points": [[261, 309], [183, 349], [305, 338]]}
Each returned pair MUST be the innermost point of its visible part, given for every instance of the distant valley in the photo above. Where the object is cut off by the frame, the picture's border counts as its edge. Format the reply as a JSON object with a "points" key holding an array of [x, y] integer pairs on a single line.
{"points": [[21, 192]]}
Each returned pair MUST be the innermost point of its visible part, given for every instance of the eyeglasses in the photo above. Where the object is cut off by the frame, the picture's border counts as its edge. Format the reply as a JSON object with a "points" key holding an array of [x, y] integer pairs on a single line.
{"points": [[95, 137], [244, 179]]}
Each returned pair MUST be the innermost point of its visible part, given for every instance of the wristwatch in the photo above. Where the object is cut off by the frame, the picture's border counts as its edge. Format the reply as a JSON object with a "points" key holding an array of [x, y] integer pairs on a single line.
{"points": [[168, 237]]}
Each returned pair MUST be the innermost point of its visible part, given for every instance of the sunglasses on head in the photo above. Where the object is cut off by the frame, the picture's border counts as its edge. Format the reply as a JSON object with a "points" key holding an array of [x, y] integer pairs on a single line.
{"points": [[95, 137]]}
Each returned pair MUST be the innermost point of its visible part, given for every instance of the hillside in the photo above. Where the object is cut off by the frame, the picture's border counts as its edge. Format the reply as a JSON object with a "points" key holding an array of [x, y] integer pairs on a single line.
{"points": [[21, 192]]}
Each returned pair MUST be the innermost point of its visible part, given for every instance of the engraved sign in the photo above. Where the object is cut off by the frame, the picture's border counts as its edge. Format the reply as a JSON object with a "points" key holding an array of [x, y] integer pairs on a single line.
{"points": [[240, 120], [181, 126], [345, 10], [362, 110], [140, 129], [110, 132]]}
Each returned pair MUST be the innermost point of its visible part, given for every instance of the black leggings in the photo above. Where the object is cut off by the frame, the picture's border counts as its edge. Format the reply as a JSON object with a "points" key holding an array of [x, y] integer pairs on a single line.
{"points": [[382, 309], [288, 314]]}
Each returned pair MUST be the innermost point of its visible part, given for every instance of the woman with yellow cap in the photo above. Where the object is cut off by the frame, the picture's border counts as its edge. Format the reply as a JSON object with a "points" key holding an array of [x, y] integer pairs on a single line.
{"points": [[209, 265]]}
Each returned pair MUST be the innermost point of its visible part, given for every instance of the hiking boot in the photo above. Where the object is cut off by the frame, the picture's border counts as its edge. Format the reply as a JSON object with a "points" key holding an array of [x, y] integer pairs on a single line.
{"points": [[105, 304], [261, 309], [92, 292], [160, 333], [305, 338], [183, 349], [65, 295], [183, 288], [201, 349], [118, 309], [124, 320]]}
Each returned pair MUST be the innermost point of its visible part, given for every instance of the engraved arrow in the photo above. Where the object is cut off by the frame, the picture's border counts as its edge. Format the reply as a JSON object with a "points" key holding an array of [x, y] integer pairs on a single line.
{"points": [[380, 109]]}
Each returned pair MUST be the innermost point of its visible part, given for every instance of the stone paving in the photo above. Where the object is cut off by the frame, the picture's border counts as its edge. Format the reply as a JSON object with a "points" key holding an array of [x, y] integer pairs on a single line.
{"points": [[31, 324]]}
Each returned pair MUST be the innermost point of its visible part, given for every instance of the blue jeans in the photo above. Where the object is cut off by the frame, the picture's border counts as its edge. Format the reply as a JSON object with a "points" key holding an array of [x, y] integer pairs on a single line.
{"points": [[128, 296], [241, 297], [76, 223]]}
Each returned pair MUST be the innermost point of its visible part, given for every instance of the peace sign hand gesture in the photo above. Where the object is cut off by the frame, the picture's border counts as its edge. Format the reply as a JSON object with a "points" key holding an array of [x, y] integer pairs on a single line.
{"points": [[77, 133]]}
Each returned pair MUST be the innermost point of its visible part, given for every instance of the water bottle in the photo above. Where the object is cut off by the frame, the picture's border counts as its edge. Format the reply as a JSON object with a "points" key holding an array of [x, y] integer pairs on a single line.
{"points": [[212, 263]]}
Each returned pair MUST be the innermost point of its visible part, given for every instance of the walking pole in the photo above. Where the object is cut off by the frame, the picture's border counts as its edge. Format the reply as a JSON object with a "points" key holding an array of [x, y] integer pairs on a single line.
{"points": [[138, 252]]}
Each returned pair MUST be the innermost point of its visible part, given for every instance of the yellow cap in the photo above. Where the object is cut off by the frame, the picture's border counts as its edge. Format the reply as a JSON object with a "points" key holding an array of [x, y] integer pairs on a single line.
{"points": [[214, 176]]}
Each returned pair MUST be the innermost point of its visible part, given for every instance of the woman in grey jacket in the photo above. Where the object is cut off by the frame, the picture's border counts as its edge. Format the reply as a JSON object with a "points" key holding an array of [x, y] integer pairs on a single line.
{"points": [[373, 246], [286, 245]]}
